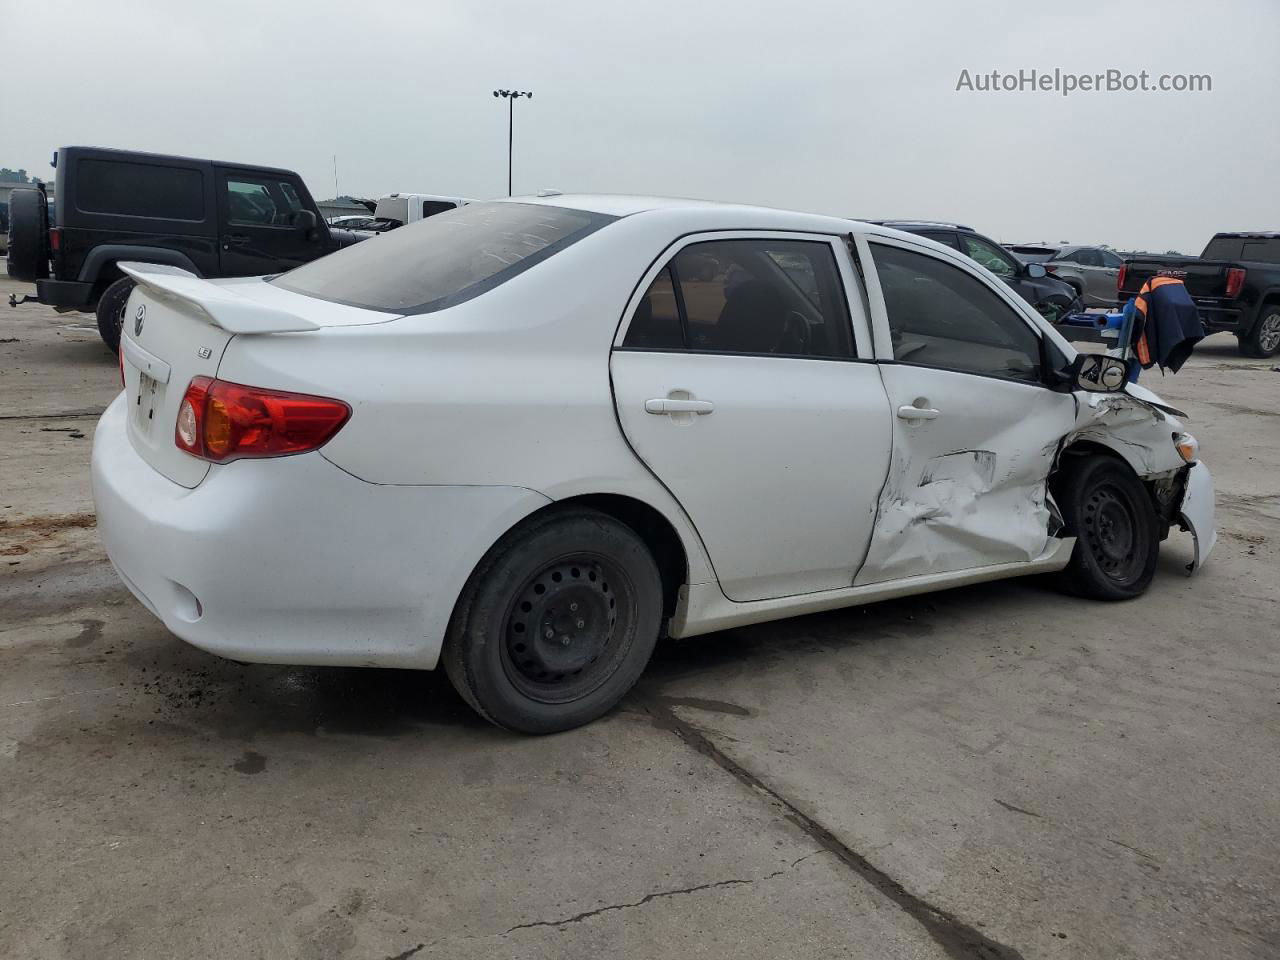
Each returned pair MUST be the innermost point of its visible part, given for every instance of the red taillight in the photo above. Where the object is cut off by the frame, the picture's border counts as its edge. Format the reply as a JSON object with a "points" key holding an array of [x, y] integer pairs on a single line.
{"points": [[55, 239], [1051, 267], [222, 421], [1124, 272], [120, 360], [1235, 281]]}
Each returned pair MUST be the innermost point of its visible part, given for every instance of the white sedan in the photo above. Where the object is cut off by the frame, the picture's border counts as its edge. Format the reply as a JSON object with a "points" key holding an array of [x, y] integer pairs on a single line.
{"points": [[526, 438]]}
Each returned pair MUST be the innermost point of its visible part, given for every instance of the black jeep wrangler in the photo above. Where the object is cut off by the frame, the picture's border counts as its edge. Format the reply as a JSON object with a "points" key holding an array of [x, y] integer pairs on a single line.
{"points": [[214, 219]]}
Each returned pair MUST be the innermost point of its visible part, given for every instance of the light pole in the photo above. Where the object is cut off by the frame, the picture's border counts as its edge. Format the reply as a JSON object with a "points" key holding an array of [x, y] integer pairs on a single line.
{"points": [[512, 96]]}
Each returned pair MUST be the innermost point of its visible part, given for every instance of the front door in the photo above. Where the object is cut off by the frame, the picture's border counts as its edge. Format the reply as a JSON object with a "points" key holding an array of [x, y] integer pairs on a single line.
{"points": [[259, 232], [975, 428], [741, 384]]}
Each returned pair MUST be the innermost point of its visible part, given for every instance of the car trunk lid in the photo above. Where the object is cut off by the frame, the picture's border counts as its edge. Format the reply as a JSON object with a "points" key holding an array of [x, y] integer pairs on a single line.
{"points": [[176, 327]]}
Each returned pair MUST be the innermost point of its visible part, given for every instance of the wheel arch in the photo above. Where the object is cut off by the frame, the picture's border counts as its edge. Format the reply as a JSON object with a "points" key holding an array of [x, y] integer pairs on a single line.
{"points": [[101, 266], [657, 532], [1157, 488]]}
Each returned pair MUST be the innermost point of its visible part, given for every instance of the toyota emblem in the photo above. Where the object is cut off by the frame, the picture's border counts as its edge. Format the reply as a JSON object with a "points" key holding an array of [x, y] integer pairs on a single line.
{"points": [[139, 318]]}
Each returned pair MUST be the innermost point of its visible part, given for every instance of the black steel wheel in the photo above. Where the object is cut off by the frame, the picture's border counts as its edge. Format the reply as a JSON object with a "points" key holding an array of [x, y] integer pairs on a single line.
{"points": [[1107, 509], [556, 623], [561, 632]]}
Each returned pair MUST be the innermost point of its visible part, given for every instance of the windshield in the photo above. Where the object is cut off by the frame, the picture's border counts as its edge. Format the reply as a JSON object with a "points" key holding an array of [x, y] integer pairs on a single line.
{"points": [[444, 260]]}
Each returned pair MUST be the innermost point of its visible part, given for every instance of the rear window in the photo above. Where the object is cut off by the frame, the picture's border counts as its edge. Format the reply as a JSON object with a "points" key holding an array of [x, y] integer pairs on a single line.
{"points": [[139, 190], [443, 261]]}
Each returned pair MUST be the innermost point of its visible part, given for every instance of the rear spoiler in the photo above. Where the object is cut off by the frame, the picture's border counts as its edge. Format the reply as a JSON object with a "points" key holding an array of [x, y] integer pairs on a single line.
{"points": [[218, 305]]}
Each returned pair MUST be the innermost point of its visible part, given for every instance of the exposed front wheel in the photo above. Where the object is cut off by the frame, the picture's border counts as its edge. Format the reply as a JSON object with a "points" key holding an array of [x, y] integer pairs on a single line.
{"points": [[111, 311], [1264, 339], [1107, 509], [556, 624]]}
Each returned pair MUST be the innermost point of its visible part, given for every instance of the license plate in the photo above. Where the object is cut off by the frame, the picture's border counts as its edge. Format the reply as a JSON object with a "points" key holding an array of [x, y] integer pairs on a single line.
{"points": [[144, 409]]}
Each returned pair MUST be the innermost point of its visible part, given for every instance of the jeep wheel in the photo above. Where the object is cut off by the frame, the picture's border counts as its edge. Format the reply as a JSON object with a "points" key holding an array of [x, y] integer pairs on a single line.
{"points": [[28, 236], [111, 311], [1264, 339]]}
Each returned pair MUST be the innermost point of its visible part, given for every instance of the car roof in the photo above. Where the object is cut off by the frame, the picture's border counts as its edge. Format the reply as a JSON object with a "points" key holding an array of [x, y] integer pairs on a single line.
{"points": [[1249, 235], [911, 224]]}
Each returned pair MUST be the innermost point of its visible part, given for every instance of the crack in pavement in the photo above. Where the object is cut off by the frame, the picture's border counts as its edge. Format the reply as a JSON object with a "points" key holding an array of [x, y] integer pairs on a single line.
{"points": [[75, 415], [959, 940], [647, 898]]}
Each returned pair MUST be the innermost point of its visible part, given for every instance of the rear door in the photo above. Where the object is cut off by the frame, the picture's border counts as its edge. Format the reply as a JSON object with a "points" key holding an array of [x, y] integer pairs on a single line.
{"points": [[740, 382], [975, 428], [260, 232]]}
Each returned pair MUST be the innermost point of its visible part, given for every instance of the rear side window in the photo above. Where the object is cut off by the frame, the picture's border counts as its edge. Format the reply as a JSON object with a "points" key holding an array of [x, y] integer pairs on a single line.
{"points": [[757, 297], [445, 260], [940, 316], [431, 207], [126, 189], [1261, 251]]}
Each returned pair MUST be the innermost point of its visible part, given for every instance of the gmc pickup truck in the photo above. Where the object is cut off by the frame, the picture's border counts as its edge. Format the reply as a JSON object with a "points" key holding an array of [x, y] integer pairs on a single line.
{"points": [[1235, 282]]}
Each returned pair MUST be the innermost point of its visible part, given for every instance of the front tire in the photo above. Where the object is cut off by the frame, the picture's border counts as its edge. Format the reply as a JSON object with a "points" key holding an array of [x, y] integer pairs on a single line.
{"points": [[1107, 509], [1263, 340], [556, 624], [111, 311]]}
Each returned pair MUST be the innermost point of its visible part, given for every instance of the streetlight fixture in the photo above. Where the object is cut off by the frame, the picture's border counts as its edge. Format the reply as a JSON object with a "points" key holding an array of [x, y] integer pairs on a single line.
{"points": [[511, 96]]}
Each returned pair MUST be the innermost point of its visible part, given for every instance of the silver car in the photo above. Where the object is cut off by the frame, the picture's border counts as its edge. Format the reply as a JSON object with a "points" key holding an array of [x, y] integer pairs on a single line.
{"points": [[1093, 271]]}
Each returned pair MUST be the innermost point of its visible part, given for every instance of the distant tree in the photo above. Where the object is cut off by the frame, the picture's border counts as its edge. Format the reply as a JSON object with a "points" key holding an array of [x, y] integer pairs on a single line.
{"points": [[1174, 253], [13, 176]]}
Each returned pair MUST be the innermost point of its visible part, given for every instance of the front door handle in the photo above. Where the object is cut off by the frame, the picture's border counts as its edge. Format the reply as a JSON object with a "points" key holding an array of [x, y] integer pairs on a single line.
{"points": [[665, 405], [917, 413], [235, 240]]}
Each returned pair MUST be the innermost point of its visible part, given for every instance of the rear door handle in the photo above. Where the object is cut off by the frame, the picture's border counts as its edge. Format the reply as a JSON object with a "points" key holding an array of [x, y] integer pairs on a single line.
{"points": [[917, 413], [235, 240], [662, 405]]}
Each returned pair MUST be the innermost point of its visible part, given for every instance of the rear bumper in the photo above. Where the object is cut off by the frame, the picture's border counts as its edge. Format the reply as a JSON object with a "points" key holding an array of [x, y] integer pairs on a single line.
{"points": [[291, 560], [71, 294], [1216, 318]]}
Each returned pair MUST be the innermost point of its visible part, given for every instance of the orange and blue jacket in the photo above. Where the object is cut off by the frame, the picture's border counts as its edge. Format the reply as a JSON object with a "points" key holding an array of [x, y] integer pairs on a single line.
{"points": [[1166, 324]]}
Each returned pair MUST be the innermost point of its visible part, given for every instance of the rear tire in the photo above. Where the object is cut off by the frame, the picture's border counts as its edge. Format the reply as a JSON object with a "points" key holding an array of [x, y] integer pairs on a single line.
{"points": [[111, 311], [556, 623], [1263, 340], [1107, 509], [28, 236]]}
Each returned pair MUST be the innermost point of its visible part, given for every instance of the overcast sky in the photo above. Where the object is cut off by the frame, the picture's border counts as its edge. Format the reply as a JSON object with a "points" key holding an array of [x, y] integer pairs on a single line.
{"points": [[841, 107]]}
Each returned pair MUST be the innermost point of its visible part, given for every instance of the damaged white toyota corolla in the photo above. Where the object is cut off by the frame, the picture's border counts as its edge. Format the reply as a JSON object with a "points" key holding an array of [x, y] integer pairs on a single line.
{"points": [[526, 438]]}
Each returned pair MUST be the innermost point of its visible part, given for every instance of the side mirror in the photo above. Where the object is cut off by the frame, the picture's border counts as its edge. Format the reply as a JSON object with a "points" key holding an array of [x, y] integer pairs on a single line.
{"points": [[1035, 270], [306, 223], [1099, 373]]}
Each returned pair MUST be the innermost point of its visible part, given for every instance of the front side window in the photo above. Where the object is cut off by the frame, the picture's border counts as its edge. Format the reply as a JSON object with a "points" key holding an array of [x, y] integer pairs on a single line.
{"points": [[261, 202], [1089, 257], [989, 255], [445, 260], [758, 297], [1110, 260], [940, 316]]}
